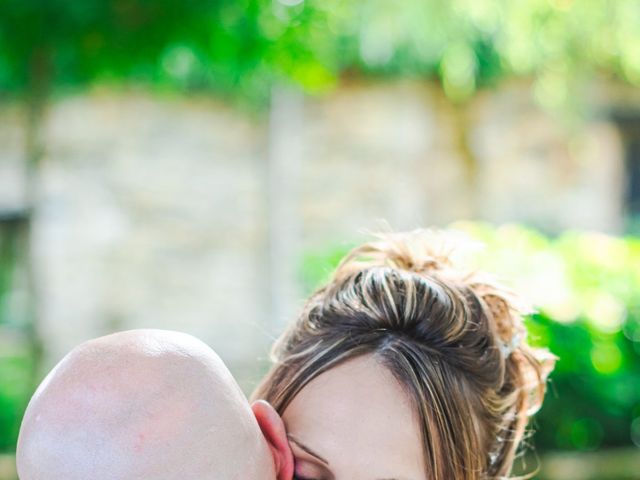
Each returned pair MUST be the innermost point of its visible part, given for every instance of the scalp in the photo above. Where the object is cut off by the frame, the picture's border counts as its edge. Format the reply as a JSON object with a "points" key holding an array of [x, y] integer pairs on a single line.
{"points": [[139, 404]]}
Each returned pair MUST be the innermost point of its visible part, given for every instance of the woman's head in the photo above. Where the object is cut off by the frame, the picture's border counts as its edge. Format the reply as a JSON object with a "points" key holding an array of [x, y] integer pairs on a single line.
{"points": [[399, 329]]}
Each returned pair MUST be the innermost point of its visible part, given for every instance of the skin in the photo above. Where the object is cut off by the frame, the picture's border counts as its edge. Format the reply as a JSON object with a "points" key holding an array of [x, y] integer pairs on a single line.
{"points": [[355, 422], [148, 405]]}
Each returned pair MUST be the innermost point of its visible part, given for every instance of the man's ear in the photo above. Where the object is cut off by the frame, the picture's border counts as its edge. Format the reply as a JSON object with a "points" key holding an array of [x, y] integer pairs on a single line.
{"points": [[274, 432]]}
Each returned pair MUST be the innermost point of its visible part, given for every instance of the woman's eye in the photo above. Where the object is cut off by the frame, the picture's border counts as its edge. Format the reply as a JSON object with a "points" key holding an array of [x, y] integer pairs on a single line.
{"points": [[307, 468]]}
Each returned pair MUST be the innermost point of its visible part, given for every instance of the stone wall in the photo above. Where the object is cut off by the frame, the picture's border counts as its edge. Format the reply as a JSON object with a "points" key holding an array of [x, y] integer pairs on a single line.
{"points": [[174, 212]]}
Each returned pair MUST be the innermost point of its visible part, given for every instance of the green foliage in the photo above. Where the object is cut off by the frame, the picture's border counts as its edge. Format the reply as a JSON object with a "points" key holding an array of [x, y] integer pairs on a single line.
{"points": [[245, 46], [15, 385], [586, 288], [15, 359]]}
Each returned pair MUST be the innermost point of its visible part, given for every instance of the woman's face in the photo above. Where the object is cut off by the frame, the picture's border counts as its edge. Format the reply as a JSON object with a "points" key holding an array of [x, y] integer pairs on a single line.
{"points": [[355, 422]]}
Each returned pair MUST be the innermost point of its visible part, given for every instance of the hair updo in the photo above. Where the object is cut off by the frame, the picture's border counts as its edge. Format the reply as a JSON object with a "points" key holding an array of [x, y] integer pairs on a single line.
{"points": [[453, 338]]}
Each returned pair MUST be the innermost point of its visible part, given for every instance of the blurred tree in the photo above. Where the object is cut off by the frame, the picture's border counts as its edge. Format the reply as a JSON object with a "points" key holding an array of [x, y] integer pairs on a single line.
{"points": [[246, 45]]}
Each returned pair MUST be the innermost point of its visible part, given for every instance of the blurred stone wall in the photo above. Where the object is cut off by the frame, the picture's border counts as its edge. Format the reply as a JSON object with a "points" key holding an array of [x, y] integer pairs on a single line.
{"points": [[152, 216], [158, 211]]}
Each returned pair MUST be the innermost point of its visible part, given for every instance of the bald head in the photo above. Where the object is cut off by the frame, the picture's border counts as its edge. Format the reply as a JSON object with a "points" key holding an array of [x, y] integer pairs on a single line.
{"points": [[146, 404]]}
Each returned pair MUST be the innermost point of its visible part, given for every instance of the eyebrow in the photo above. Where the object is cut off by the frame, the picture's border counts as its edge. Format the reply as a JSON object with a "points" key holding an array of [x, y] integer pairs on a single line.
{"points": [[307, 449], [302, 446]]}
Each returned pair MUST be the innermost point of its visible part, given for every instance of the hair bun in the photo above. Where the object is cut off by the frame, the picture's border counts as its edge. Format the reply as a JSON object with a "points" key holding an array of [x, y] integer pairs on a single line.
{"points": [[442, 253]]}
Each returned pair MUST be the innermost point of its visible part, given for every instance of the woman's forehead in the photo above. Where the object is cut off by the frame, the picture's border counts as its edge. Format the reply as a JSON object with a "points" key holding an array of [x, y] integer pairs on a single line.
{"points": [[357, 415]]}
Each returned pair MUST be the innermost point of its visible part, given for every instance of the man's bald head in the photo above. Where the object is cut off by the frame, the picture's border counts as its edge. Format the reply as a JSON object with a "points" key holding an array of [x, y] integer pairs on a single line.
{"points": [[145, 404]]}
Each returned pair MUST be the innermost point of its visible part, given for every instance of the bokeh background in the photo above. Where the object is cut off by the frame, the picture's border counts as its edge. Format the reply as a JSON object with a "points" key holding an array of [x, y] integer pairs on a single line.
{"points": [[200, 165]]}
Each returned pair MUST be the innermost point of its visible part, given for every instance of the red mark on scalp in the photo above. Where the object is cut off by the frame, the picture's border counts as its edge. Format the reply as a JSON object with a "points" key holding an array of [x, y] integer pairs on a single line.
{"points": [[137, 447]]}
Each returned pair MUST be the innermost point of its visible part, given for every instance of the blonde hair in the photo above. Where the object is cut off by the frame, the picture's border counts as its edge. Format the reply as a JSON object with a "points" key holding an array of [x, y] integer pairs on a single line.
{"points": [[454, 339]]}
